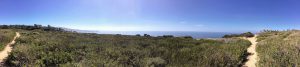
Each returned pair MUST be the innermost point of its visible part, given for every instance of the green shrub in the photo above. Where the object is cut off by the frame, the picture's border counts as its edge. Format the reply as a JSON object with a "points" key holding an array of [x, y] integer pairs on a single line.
{"points": [[247, 34], [51, 48]]}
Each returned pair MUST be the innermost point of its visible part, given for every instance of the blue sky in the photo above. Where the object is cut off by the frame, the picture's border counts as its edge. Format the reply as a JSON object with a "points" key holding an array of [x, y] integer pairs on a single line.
{"points": [[155, 15]]}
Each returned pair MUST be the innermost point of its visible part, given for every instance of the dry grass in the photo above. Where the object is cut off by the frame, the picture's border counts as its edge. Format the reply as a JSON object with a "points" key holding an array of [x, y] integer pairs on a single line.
{"points": [[6, 36], [279, 49], [40, 48]]}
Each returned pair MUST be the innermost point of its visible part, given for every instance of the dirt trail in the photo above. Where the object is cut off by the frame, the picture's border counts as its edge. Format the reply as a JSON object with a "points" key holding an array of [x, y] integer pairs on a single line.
{"points": [[8, 48], [252, 59]]}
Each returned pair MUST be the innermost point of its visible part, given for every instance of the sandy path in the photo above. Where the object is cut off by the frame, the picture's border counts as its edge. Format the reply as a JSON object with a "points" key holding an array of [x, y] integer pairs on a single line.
{"points": [[252, 59], [8, 48]]}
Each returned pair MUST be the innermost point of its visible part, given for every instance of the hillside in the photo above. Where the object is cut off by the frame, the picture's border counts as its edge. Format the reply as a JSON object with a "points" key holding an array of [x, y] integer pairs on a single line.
{"points": [[279, 48], [6, 35], [39, 47], [8, 48]]}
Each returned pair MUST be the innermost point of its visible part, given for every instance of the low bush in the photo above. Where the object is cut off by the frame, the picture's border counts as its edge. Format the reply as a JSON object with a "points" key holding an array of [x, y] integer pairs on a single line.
{"points": [[247, 34], [52, 48]]}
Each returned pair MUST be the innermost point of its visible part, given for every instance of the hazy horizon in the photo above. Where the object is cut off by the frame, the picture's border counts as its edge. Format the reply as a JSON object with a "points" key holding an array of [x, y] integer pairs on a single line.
{"points": [[155, 15], [150, 33]]}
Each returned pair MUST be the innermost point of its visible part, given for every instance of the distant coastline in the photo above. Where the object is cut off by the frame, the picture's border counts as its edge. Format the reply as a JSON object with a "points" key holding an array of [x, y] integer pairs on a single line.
{"points": [[195, 35]]}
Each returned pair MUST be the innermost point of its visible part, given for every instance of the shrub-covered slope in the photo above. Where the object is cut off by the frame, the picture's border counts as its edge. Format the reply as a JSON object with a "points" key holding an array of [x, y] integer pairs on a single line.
{"points": [[52, 48], [6, 35], [279, 49]]}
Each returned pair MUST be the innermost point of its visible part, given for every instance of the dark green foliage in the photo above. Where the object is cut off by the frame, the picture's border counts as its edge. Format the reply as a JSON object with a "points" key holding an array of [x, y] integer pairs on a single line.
{"points": [[188, 37], [231, 35], [138, 35], [31, 27], [4, 27], [168, 36], [48, 48], [247, 34], [147, 35]]}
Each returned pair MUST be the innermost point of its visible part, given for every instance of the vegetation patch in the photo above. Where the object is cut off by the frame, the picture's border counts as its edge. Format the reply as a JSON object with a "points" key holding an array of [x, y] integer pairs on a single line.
{"points": [[53, 48], [42, 46], [279, 48], [6, 36], [247, 34]]}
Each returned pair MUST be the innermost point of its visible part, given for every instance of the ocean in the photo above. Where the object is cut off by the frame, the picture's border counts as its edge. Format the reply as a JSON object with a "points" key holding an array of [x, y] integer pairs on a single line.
{"points": [[196, 35]]}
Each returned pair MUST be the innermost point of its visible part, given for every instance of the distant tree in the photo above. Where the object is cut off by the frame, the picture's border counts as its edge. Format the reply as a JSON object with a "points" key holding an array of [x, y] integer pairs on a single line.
{"points": [[226, 36], [168, 36], [147, 35], [4, 27], [188, 37], [48, 28], [248, 34], [231, 35], [138, 35], [32, 27], [270, 30], [36, 26]]}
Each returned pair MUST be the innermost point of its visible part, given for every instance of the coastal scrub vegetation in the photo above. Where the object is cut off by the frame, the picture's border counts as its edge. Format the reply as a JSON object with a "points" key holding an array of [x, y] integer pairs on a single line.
{"points": [[32, 27], [247, 34], [279, 48], [39, 47], [6, 36]]}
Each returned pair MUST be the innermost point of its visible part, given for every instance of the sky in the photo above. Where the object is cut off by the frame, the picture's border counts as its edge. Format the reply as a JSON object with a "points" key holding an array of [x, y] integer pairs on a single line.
{"points": [[155, 15]]}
